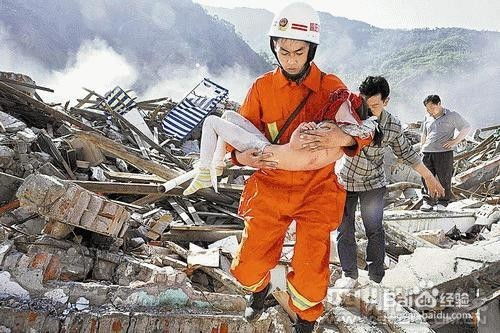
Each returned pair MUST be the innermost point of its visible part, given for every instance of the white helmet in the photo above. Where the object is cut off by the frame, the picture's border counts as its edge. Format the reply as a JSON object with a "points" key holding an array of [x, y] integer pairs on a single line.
{"points": [[296, 21]]}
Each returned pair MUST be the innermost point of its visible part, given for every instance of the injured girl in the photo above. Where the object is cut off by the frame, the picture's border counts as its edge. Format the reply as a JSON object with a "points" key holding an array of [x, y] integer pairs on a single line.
{"points": [[345, 109]]}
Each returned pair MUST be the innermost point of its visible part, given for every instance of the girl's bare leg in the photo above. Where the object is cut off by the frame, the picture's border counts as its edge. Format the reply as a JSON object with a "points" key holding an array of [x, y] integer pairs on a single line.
{"points": [[216, 131]]}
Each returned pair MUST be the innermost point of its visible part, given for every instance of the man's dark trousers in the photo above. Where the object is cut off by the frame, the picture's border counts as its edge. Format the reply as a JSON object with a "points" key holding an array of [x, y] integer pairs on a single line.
{"points": [[440, 165], [372, 213]]}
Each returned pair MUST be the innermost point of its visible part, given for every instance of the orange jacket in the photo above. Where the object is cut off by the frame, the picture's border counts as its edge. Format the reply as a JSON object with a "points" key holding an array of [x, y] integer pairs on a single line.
{"points": [[271, 100]]}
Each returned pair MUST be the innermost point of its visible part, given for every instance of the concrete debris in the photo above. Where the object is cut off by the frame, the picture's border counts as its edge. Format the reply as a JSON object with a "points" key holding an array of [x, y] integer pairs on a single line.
{"points": [[6, 157], [487, 215], [11, 124], [200, 256], [90, 240], [11, 288], [436, 237], [68, 203]]}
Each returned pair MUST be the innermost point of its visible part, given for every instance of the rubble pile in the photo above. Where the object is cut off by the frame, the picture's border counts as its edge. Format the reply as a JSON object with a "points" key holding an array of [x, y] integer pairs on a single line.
{"points": [[95, 233]]}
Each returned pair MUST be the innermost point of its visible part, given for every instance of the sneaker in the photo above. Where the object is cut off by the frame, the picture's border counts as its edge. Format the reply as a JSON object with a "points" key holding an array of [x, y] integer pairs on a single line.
{"points": [[345, 283], [439, 208], [341, 288], [256, 304], [426, 207], [303, 326]]}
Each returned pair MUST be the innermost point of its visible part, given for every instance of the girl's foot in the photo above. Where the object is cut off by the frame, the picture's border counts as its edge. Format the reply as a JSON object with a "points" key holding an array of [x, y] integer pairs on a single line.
{"points": [[201, 180]]}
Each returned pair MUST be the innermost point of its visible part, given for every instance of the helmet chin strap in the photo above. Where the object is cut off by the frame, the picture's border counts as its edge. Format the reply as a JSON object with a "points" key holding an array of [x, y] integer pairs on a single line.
{"points": [[299, 76]]}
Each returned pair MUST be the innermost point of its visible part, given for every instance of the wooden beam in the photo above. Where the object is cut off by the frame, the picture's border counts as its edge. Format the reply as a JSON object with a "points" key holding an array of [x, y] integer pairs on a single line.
{"points": [[182, 213], [191, 210], [232, 188], [25, 84], [48, 146], [134, 177], [44, 107], [144, 137], [119, 150], [9, 206], [118, 188], [201, 235], [148, 199], [83, 101], [228, 212]]}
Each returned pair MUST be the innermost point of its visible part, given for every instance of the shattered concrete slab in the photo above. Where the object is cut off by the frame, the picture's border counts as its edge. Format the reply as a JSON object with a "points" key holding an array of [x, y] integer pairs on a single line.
{"points": [[350, 320], [108, 320], [10, 184], [371, 300], [6, 157], [415, 221], [11, 124], [446, 264], [71, 204], [11, 288]]}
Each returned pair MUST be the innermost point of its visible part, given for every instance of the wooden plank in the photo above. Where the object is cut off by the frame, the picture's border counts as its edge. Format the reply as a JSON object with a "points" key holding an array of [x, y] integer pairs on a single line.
{"points": [[142, 147], [119, 150], [134, 177], [126, 204], [474, 177], [51, 149], [212, 214], [144, 137], [192, 211], [232, 188], [228, 212], [83, 101], [180, 236], [182, 213], [150, 101], [9, 206], [478, 149], [150, 198], [490, 128], [207, 227], [90, 114], [44, 107], [118, 188], [82, 164], [89, 153], [25, 84]]}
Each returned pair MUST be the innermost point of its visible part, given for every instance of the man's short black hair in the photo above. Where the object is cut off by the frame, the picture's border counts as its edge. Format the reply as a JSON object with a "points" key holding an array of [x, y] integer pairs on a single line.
{"points": [[374, 85], [434, 99]]}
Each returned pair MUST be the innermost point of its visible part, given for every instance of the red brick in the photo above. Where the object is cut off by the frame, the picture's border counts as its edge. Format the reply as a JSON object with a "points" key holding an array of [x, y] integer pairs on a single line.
{"points": [[53, 270]]}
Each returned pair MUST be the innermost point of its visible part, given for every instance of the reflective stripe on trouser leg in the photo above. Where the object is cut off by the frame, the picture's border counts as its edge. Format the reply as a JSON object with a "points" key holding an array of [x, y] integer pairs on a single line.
{"points": [[298, 300], [253, 288]]}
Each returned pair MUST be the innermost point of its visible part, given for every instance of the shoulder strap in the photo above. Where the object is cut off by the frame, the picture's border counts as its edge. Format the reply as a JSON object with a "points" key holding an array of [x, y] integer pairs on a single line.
{"points": [[294, 114]]}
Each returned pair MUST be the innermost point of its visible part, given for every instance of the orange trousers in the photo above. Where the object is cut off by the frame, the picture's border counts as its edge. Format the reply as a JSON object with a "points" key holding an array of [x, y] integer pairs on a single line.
{"points": [[268, 205]]}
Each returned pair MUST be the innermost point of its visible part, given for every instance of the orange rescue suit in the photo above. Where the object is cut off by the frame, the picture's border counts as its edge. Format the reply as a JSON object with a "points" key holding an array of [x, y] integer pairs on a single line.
{"points": [[272, 199]]}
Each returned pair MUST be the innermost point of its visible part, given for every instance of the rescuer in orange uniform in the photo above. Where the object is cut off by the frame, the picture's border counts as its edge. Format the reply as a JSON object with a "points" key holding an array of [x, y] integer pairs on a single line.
{"points": [[273, 198]]}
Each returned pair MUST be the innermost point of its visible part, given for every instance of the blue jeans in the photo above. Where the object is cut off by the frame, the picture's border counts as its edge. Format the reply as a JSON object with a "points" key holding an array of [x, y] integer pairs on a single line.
{"points": [[372, 213]]}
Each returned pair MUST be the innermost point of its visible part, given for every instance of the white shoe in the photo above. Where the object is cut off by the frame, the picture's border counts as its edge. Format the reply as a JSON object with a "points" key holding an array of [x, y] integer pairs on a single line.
{"points": [[426, 207], [341, 288], [439, 208], [345, 283]]}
